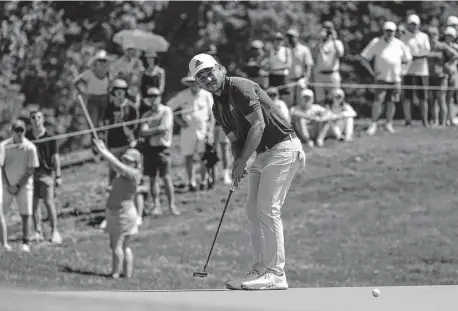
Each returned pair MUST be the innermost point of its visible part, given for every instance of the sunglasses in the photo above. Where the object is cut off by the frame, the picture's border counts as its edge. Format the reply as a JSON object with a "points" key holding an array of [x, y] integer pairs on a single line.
{"points": [[19, 130], [36, 117]]}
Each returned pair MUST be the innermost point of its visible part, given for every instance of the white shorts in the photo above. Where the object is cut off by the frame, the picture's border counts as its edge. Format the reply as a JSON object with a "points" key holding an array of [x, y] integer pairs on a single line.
{"points": [[24, 200], [191, 144]]}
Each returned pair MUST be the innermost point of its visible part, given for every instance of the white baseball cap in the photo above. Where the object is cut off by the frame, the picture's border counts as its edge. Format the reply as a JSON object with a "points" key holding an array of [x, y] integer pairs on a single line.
{"points": [[452, 21], [307, 92], [201, 61], [450, 31], [390, 26], [413, 19]]}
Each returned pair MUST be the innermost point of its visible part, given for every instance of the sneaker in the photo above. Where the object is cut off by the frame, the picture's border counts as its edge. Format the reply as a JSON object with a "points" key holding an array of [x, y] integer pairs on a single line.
{"points": [[389, 127], [139, 221], [372, 129], [310, 143], [56, 238], [7, 248], [25, 248], [174, 211], [37, 237], [267, 281], [237, 283], [319, 143], [157, 211]]}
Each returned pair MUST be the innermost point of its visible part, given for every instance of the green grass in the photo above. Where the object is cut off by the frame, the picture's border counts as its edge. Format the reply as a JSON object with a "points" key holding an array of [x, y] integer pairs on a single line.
{"points": [[388, 219]]}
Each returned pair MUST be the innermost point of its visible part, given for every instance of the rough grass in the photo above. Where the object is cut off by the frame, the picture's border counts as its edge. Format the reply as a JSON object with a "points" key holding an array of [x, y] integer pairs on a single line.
{"points": [[388, 217]]}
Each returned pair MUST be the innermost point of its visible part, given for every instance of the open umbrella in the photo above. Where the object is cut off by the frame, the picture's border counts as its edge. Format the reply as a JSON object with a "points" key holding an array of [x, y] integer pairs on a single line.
{"points": [[143, 40]]}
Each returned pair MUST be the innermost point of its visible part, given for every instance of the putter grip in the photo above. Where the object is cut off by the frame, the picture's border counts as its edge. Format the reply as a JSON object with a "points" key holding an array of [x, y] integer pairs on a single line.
{"points": [[232, 189]]}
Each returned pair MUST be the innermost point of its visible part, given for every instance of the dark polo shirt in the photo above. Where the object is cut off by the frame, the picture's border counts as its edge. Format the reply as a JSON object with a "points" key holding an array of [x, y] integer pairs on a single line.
{"points": [[46, 150], [239, 98]]}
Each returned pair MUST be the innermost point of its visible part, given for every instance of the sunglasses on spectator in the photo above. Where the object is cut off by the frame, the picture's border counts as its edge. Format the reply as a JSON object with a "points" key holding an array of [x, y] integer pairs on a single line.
{"points": [[36, 117], [19, 130]]}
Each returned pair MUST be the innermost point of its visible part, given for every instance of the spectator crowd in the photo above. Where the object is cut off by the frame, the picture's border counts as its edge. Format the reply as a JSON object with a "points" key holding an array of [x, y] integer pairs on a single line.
{"points": [[407, 62]]}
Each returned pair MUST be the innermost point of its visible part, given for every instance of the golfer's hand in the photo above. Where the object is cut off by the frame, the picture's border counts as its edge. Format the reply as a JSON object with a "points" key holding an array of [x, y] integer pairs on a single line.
{"points": [[99, 144], [133, 143], [58, 181], [238, 172]]}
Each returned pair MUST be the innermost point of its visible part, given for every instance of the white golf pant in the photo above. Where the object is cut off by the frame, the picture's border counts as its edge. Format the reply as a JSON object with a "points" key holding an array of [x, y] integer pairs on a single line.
{"points": [[269, 179]]}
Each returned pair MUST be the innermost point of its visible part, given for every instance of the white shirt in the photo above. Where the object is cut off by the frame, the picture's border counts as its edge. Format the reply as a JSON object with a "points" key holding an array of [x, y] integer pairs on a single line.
{"points": [[196, 109], [313, 112], [279, 58], [418, 44], [327, 59], [94, 85], [389, 57]]}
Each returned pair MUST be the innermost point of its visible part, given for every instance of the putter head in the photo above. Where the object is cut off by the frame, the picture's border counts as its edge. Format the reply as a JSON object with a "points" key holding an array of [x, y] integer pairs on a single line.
{"points": [[200, 274]]}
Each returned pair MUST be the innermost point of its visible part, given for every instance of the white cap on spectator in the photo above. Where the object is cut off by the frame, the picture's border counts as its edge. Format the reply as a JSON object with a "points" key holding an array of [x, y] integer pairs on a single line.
{"points": [[450, 31], [413, 19], [128, 45], [307, 92], [338, 92], [452, 21], [389, 26], [201, 61]]}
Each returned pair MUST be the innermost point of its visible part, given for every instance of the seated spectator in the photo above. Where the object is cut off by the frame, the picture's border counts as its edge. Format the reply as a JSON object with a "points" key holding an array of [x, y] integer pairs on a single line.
{"points": [[128, 65], [281, 105], [307, 119], [341, 120]]}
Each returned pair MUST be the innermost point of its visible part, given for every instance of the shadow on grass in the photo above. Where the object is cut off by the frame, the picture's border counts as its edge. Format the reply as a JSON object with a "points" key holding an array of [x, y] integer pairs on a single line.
{"points": [[95, 221], [69, 270]]}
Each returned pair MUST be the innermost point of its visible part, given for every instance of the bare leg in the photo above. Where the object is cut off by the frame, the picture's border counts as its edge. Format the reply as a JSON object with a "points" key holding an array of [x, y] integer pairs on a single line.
{"points": [[3, 233], [155, 194], [443, 108], [128, 263], [170, 192], [190, 170], [117, 252]]}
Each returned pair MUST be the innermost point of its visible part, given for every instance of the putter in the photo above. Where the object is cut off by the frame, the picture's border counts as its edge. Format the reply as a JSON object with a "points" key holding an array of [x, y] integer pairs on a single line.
{"points": [[203, 273]]}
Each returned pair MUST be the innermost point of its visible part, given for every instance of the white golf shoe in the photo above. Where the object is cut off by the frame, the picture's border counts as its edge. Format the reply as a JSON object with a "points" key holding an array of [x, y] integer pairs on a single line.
{"points": [[237, 283], [266, 281]]}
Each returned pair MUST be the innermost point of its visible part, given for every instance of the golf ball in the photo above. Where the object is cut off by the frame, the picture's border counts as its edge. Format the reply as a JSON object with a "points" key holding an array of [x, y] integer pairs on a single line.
{"points": [[375, 292]]}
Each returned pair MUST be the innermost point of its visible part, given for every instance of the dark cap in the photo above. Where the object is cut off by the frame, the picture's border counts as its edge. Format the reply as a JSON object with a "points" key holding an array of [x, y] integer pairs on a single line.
{"points": [[153, 91], [19, 124]]}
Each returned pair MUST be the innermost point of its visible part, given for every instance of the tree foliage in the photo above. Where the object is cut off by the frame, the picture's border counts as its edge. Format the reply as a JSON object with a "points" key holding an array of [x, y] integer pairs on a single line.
{"points": [[44, 44]]}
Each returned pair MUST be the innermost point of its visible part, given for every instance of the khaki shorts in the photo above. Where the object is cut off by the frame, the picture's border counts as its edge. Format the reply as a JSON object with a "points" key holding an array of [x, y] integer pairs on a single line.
{"points": [[191, 144], [24, 200]]}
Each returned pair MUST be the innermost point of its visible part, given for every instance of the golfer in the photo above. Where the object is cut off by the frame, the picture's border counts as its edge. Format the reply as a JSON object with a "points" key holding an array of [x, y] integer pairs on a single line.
{"points": [[121, 214], [253, 123]]}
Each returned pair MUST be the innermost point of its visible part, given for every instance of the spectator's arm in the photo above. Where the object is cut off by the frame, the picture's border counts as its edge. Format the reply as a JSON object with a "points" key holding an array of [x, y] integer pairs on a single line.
{"points": [[165, 125], [425, 49], [340, 50], [81, 78], [406, 58], [162, 81], [55, 158], [309, 63], [348, 112]]}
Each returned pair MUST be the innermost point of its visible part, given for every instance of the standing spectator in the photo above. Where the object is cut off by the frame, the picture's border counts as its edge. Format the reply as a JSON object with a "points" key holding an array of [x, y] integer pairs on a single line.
{"points": [[20, 161], [301, 65], [281, 105], [94, 84], [46, 177], [328, 54], [196, 122], [452, 21], [341, 120], [279, 62], [441, 58], [391, 60], [307, 119], [153, 76], [119, 110], [158, 134], [450, 35], [3, 234], [418, 73], [128, 66], [221, 142], [253, 69]]}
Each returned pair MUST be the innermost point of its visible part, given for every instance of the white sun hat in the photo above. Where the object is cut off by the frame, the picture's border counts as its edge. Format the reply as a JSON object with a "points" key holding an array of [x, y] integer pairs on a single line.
{"points": [[201, 61]]}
